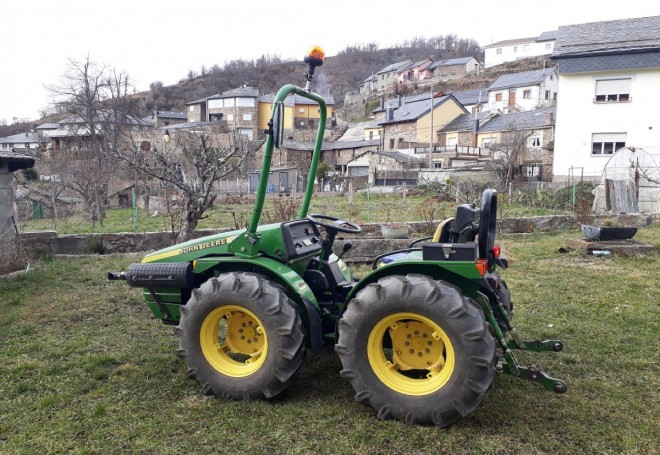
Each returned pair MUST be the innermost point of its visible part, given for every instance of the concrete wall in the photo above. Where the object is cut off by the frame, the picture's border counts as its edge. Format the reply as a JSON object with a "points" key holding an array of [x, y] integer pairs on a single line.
{"points": [[365, 248]]}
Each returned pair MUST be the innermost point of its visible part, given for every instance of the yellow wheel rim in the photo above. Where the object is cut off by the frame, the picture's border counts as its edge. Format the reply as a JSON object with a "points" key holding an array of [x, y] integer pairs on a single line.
{"points": [[233, 341], [421, 358]]}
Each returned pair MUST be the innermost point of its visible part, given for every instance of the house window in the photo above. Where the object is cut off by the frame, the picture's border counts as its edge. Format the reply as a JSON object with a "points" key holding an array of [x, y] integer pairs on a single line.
{"points": [[301, 110], [230, 117], [526, 48], [371, 135], [535, 141], [498, 97], [613, 90], [191, 108], [437, 165], [607, 143], [547, 94], [530, 172], [229, 102], [527, 94], [515, 48], [215, 104], [245, 102], [247, 132], [487, 143], [548, 46], [247, 117], [498, 51], [391, 143]]}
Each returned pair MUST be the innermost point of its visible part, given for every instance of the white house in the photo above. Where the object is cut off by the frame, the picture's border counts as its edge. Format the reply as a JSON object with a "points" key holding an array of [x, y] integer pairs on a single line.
{"points": [[523, 91], [514, 49], [608, 77], [22, 142]]}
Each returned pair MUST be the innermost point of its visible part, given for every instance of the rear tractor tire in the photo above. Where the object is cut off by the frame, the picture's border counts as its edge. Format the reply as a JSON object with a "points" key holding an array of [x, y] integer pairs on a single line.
{"points": [[241, 337], [416, 350]]}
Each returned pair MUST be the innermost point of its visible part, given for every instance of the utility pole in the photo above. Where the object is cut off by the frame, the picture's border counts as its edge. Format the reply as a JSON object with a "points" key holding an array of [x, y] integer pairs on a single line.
{"points": [[431, 133]]}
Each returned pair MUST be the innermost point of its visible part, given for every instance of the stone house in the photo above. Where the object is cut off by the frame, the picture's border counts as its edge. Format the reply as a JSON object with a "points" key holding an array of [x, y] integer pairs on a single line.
{"points": [[484, 135], [167, 118], [237, 108], [454, 67], [385, 167]]}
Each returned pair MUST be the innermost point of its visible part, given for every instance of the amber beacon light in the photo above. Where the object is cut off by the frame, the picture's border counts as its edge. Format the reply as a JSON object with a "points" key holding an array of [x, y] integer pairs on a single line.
{"points": [[315, 56]]}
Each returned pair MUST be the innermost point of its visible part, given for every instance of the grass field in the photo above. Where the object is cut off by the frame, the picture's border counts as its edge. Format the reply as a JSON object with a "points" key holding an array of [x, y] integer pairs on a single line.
{"points": [[84, 368], [379, 208]]}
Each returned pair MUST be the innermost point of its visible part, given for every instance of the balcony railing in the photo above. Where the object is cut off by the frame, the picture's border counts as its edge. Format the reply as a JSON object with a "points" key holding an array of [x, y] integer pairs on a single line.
{"points": [[456, 149]]}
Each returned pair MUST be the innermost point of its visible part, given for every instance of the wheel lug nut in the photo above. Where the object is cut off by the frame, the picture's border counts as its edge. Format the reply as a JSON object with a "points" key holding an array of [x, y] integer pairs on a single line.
{"points": [[425, 335], [419, 354], [407, 343], [254, 339], [243, 325], [416, 332], [427, 350], [412, 351], [240, 330], [242, 337], [429, 342], [249, 341], [409, 336]]}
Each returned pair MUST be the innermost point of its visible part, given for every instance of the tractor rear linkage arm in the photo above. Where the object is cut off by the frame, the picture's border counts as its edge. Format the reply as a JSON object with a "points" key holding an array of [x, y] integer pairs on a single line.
{"points": [[510, 365]]}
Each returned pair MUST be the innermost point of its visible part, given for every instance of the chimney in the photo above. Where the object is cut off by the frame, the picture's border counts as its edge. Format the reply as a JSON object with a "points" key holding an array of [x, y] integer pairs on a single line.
{"points": [[550, 118], [382, 102], [398, 98], [390, 113]]}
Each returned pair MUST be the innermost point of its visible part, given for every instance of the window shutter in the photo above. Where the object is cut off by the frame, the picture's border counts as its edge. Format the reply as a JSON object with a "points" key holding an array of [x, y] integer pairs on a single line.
{"points": [[612, 86], [609, 137]]}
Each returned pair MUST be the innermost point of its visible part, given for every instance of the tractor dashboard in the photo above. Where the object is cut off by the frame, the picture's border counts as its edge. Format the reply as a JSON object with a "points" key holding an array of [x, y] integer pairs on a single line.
{"points": [[301, 238]]}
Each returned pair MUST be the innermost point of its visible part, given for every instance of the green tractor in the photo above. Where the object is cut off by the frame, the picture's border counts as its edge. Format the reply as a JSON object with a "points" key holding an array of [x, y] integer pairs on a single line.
{"points": [[420, 337]]}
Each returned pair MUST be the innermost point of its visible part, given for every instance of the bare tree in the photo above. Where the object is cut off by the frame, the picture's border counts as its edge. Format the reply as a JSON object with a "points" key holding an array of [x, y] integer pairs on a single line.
{"points": [[98, 97], [509, 153], [190, 164]]}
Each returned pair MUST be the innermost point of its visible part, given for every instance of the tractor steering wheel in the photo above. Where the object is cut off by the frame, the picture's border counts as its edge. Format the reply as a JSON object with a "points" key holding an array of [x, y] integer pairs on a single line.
{"points": [[337, 225], [487, 225]]}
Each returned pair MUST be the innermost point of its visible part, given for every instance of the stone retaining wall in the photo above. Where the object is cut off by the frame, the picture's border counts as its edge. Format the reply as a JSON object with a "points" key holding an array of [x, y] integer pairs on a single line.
{"points": [[365, 247]]}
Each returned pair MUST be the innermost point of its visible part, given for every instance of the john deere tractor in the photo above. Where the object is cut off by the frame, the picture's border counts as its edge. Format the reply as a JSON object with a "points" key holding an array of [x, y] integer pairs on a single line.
{"points": [[420, 337]]}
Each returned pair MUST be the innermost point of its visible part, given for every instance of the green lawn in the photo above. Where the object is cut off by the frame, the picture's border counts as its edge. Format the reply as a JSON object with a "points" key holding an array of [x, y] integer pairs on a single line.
{"points": [[379, 208], [84, 368]]}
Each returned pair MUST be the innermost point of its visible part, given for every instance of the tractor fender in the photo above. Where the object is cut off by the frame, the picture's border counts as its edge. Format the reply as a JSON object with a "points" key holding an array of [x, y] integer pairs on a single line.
{"points": [[293, 284], [469, 285]]}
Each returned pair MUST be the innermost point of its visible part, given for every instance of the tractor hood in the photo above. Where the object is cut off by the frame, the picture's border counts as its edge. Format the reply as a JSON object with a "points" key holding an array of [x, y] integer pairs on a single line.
{"points": [[212, 245]]}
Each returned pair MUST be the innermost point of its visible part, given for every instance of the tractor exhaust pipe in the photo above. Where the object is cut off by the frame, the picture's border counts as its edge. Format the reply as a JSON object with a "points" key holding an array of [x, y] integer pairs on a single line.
{"points": [[113, 276]]}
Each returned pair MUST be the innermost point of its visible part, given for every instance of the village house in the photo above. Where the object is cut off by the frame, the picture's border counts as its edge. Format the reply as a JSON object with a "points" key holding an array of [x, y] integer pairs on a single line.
{"points": [[386, 167], [608, 77], [387, 76], [21, 143], [454, 68], [515, 49], [236, 108], [524, 91], [167, 118], [369, 85], [413, 120], [486, 135], [414, 72]]}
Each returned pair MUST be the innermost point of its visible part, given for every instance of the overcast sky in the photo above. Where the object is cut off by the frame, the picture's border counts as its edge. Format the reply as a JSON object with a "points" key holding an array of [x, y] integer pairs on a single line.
{"points": [[161, 40]]}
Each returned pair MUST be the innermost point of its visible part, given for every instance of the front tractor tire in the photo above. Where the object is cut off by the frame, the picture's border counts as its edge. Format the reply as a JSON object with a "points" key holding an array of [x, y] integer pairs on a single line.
{"points": [[416, 350], [241, 337]]}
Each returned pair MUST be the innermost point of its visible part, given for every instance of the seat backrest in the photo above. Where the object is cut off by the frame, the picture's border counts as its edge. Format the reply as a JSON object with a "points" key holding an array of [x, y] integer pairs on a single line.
{"points": [[442, 233]]}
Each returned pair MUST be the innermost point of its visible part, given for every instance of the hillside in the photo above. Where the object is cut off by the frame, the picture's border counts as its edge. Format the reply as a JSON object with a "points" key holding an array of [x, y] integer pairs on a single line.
{"points": [[340, 73]]}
